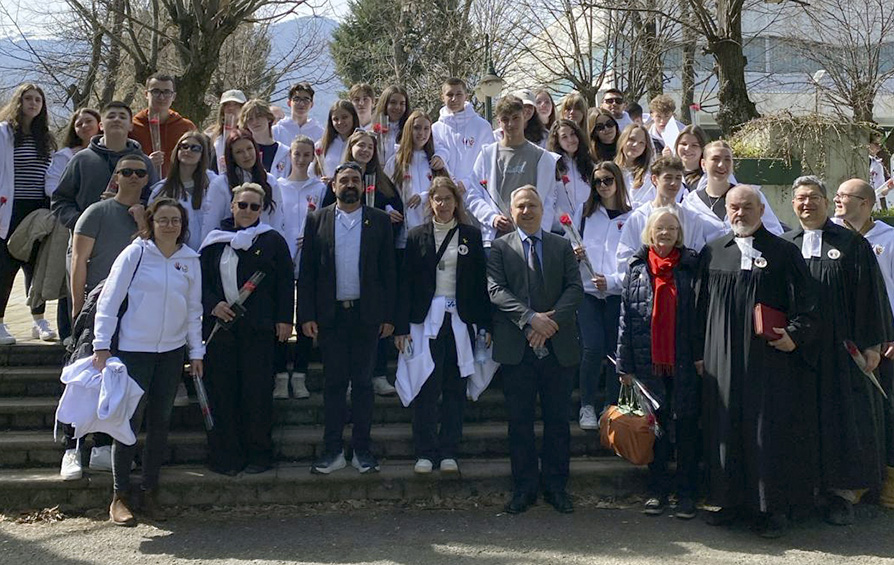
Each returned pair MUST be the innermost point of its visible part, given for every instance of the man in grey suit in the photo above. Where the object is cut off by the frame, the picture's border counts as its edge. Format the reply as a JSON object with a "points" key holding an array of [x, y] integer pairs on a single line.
{"points": [[534, 283]]}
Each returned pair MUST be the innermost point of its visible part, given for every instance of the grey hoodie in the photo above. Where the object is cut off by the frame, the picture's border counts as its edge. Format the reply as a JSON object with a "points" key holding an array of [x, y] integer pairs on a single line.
{"points": [[86, 177]]}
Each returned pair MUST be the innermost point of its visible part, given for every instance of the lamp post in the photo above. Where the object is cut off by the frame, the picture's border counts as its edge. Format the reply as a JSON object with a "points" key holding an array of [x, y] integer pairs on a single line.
{"points": [[490, 85], [817, 77]]}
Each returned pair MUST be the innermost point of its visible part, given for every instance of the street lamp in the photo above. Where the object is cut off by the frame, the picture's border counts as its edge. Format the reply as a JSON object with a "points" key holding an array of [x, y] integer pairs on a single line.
{"points": [[817, 77], [490, 85]]}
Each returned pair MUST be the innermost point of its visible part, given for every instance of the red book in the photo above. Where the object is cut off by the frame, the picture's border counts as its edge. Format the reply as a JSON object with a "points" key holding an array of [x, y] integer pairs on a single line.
{"points": [[765, 319]]}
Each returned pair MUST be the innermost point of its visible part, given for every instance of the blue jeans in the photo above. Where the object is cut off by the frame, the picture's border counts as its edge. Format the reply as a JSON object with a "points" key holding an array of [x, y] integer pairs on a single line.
{"points": [[598, 321]]}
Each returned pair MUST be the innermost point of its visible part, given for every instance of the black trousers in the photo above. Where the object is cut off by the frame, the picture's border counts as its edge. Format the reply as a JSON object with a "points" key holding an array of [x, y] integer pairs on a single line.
{"points": [[239, 380], [348, 349], [158, 375], [9, 265], [444, 383], [522, 384], [680, 434], [298, 354]]}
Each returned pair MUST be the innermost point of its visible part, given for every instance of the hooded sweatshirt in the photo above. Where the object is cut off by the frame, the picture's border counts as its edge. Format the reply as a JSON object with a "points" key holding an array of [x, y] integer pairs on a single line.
{"points": [[459, 138], [87, 175], [175, 126]]}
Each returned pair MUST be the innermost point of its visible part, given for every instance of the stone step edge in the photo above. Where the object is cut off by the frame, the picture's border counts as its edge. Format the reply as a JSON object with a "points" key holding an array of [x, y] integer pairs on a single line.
{"points": [[292, 483]]}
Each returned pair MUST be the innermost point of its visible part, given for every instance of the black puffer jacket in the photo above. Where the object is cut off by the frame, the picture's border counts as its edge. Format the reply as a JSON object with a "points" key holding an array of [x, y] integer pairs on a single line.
{"points": [[635, 335]]}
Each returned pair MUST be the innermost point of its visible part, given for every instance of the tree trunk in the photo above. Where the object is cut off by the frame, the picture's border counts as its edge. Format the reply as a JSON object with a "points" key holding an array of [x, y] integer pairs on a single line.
{"points": [[113, 62], [652, 58], [736, 107], [687, 71], [193, 84], [863, 105]]}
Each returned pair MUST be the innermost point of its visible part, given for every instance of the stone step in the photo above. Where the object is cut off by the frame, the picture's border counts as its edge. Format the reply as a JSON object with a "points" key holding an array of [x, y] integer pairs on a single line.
{"points": [[291, 483], [38, 413], [20, 449], [32, 354]]}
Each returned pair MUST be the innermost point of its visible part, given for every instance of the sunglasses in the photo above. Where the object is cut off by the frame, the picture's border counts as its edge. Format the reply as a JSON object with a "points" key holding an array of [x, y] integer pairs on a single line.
{"points": [[603, 127], [194, 147], [605, 181], [244, 205], [613, 100], [128, 172]]}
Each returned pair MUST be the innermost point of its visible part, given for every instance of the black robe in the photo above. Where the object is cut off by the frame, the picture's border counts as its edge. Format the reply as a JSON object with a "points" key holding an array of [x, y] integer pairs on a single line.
{"points": [[854, 306], [758, 415]]}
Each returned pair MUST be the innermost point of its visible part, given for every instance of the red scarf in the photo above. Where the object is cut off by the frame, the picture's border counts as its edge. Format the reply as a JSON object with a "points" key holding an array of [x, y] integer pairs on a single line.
{"points": [[664, 311]]}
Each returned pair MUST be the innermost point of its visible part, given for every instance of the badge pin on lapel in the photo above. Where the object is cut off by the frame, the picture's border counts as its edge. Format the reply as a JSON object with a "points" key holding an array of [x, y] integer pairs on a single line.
{"points": [[760, 262], [834, 254], [462, 250]]}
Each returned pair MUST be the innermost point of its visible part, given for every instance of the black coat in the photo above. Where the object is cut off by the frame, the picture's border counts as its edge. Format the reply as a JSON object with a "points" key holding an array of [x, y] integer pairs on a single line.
{"points": [[380, 202], [418, 278], [635, 334], [316, 277], [273, 301]]}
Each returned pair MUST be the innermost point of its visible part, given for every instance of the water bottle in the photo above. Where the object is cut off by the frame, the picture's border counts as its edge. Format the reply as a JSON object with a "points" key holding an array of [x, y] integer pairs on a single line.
{"points": [[481, 347], [408, 348]]}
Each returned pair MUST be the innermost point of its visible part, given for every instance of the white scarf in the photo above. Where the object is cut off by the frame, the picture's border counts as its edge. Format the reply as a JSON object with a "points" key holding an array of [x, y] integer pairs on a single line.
{"points": [[749, 253], [812, 244], [229, 260]]}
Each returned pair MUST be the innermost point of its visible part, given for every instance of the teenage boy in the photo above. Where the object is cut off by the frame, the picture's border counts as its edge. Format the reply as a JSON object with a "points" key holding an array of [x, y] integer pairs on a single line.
{"points": [[613, 102], [160, 95], [301, 100], [502, 167], [460, 133], [363, 97], [664, 128]]}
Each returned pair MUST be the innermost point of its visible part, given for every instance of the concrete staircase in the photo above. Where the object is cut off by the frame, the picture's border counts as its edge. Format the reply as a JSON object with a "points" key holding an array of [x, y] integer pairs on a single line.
{"points": [[29, 459]]}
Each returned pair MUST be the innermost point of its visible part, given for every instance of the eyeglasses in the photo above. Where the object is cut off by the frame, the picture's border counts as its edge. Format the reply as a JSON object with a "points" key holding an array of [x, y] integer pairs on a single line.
{"points": [[244, 205], [605, 181], [843, 195], [613, 100], [604, 126], [165, 222], [128, 172], [443, 200], [302, 100], [808, 198], [194, 147], [159, 93]]}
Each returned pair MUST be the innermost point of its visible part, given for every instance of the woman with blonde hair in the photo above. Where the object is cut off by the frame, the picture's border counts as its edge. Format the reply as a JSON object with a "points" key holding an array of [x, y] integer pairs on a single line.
{"points": [[635, 153], [257, 117], [574, 107]]}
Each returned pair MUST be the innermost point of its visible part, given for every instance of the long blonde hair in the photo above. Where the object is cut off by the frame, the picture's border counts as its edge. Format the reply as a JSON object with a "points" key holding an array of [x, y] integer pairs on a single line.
{"points": [[640, 166], [404, 156]]}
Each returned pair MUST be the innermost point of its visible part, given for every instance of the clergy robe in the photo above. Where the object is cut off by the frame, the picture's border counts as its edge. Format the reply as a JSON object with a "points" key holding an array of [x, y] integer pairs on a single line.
{"points": [[758, 415], [854, 306]]}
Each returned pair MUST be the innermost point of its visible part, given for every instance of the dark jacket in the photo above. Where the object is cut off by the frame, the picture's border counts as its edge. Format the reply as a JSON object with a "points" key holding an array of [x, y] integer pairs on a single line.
{"points": [[417, 281], [507, 284], [635, 335], [273, 302], [316, 278], [380, 202]]}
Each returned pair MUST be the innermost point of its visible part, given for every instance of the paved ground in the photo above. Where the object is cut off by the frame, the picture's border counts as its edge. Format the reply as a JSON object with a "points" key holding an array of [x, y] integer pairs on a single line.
{"points": [[474, 535], [18, 315]]}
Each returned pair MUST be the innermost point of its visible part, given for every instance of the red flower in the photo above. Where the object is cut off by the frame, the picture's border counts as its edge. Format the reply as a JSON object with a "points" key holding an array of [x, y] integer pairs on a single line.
{"points": [[377, 128], [153, 121], [565, 179], [371, 188], [407, 176], [383, 129], [695, 107], [311, 206], [483, 182], [429, 176], [2, 200], [565, 220], [318, 150]]}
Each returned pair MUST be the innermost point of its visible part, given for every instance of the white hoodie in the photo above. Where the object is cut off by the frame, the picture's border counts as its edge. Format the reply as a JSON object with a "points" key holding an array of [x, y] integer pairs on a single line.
{"points": [[164, 301], [220, 195], [299, 198], [459, 139]]}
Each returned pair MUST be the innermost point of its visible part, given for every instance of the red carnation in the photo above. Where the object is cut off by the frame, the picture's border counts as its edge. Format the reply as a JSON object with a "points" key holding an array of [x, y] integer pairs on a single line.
{"points": [[565, 179], [370, 189], [2, 200], [377, 128], [696, 107], [318, 150], [311, 206], [483, 182], [565, 220]]}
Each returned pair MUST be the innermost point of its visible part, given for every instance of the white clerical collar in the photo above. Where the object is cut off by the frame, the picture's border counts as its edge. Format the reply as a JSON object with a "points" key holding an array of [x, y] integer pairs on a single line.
{"points": [[749, 253], [812, 244]]}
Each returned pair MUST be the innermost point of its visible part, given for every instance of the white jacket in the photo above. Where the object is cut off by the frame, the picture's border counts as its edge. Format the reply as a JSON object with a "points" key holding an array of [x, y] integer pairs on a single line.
{"points": [[220, 195], [417, 180], [164, 301], [57, 167], [99, 402], [600, 238], [696, 231], [459, 138], [7, 178], [715, 227], [482, 206], [298, 199], [331, 160], [282, 161], [197, 218]]}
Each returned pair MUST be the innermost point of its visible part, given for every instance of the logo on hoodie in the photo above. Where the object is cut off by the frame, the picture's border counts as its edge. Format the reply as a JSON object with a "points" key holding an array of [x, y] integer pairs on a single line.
{"points": [[181, 267], [469, 141]]}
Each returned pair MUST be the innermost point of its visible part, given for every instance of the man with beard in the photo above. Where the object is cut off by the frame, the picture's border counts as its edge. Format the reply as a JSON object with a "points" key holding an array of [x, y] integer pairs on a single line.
{"points": [[759, 415], [854, 202], [346, 294], [851, 290]]}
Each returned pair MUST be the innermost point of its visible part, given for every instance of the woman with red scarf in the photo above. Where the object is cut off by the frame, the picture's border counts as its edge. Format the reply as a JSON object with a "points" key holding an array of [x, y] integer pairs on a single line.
{"points": [[660, 342]]}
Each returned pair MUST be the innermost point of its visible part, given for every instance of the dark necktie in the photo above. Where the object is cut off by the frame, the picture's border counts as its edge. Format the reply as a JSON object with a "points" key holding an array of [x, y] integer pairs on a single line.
{"points": [[535, 276]]}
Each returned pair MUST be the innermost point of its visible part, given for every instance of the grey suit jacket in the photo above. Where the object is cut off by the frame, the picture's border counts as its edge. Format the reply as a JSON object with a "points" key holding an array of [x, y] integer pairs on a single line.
{"points": [[507, 283]]}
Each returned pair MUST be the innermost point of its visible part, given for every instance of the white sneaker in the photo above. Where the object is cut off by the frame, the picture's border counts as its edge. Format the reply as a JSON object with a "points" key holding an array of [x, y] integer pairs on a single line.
{"points": [[449, 466], [41, 329], [71, 465], [101, 458], [588, 419], [6, 338], [281, 386], [382, 387], [182, 398], [299, 388], [422, 467]]}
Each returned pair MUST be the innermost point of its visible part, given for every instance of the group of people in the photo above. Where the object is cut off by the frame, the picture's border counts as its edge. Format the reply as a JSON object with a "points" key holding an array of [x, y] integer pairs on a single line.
{"points": [[569, 244]]}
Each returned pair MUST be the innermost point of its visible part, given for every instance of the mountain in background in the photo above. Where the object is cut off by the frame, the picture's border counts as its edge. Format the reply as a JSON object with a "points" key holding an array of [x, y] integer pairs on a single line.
{"points": [[16, 64]]}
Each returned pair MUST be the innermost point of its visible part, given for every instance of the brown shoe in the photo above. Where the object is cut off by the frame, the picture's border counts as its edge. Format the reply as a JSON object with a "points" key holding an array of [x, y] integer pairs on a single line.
{"points": [[151, 507], [119, 512]]}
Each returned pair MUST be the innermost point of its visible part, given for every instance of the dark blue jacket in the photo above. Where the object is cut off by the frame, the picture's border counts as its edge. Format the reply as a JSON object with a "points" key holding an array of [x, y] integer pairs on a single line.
{"points": [[635, 335]]}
